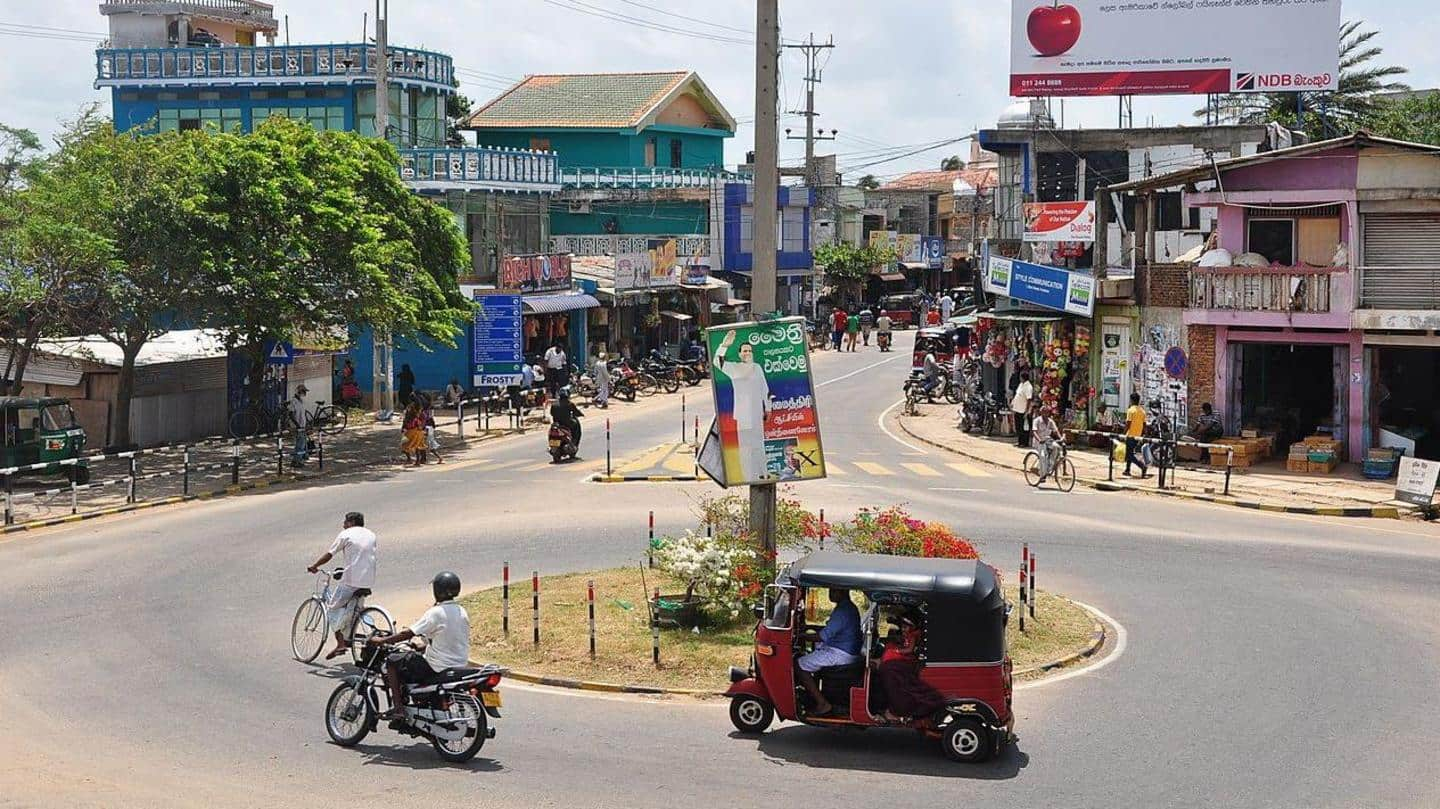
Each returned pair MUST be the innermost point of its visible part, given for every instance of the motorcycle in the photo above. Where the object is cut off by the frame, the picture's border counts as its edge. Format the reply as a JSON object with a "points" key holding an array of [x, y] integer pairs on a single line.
{"points": [[980, 412], [452, 713], [562, 444], [883, 340]]}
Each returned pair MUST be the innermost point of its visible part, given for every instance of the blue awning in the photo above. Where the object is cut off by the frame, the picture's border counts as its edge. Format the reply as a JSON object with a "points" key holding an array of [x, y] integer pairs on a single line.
{"points": [[555, 304]]}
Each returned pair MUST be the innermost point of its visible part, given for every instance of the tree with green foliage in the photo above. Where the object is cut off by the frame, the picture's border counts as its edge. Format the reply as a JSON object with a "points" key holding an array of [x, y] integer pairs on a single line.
{"points": [[1414, 118], [850, 264], [868, 182], [17, 148], [952, 163], [1324, 114], [457, 109]]}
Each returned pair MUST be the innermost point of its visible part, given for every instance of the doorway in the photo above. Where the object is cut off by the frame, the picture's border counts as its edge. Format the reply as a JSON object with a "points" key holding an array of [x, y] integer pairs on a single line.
{"points": [[1287, 389]]}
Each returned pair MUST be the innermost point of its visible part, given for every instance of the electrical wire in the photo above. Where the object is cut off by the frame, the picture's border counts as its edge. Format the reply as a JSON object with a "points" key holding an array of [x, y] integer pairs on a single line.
{"points": [[614, 16]]}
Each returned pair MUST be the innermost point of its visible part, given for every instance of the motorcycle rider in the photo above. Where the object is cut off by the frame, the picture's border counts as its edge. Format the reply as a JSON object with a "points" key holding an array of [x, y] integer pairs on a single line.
{"points": [[564, 413], [356, 545], [446, 629], [932, 373], [882, 328]]}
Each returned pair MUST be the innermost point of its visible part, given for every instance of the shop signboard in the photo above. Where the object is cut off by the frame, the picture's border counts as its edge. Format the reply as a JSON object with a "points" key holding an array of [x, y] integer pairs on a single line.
{"points": [[546, 272], [1060, 221], [909, 248], [933, 247], [1105, 48], [1050, 287], [655, 268], [767, 422], [1416, 482], [496, 345]]}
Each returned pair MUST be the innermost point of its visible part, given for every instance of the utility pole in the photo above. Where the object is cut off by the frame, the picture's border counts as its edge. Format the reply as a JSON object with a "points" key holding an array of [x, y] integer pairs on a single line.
{"points": [[767, 189], [383, 359], [812, 51]]}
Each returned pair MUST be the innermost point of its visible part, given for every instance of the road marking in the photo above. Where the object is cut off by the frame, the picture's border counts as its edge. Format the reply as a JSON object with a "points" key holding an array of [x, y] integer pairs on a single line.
{"points": [[871, 468], [834, 468], [506, 465], [535, 467], [450, 467], [953, 489], [921, 469], [968, 469], [859, 371], [897, 439], [1122, 639]]}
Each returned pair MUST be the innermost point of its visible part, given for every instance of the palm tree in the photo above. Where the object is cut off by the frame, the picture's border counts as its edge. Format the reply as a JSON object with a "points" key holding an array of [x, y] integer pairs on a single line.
{"points": [[1326, 113], [952, 163]]}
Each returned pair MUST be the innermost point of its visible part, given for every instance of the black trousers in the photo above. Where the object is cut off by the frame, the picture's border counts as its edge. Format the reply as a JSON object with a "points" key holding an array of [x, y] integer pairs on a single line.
{"points": [[1132, 455], [1022, 430]]}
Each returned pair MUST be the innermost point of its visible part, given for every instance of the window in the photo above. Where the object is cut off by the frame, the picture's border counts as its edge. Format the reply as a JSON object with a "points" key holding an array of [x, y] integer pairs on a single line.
{"points": [[650, 152], [319, 118], [747, 229], [1272, 238], [677, 153], [540, 144], [792, 230], [211, 119]]}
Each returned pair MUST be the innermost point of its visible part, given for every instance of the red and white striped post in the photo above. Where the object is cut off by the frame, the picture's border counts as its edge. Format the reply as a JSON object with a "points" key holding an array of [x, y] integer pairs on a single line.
{"points": [[682, 418], [1032, 585], [822, 529], [655, 630], [607, 448], [590, 602], [505, 602], [1024, 563], [697, 435], [650, 546], [535, 604]]}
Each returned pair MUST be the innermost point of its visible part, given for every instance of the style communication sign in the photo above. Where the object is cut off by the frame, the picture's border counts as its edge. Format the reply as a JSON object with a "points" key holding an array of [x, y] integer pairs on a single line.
{"points": [[768, 426], [496, 350], [1060, 221], [1416, 482], [1175, 47], [547, 272], [1050, 287]]}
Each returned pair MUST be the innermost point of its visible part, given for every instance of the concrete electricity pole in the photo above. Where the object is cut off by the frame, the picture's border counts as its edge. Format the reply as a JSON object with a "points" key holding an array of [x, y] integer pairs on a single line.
{"points": [[382, 363], [767, 189], [812, 51]]}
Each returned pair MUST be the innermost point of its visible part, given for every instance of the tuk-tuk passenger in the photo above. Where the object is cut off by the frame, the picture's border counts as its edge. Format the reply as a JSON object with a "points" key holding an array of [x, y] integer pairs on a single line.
{"points": [[839, 645], [905, 695]]}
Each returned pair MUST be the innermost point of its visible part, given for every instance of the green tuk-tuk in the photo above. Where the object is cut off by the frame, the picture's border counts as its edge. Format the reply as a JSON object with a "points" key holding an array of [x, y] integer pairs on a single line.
{"points": [[41, 431]]}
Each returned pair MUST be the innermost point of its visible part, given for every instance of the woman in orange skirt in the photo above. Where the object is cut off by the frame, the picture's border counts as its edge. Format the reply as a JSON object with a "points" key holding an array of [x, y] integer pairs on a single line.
{"points": [[412, 434]]}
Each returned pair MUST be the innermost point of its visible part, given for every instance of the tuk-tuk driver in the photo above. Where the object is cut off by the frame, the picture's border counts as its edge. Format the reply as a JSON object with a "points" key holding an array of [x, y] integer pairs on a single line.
{"points": [[839, 645]]}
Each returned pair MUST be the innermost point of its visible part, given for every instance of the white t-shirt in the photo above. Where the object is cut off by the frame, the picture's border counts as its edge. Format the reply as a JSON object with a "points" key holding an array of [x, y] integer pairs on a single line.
{"points": [[356, 545], [751, 391], [1024, 392], [555, 358], [447, 628], [947, 305]]}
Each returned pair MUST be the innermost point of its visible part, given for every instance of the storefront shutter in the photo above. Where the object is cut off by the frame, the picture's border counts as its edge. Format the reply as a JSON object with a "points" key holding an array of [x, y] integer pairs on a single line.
{"points": [[1401, 261]]}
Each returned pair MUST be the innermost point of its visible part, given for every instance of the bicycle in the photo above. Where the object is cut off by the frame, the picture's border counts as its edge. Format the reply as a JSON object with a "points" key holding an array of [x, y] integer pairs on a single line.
{"points": [[250, 421], [1062, 470], [311, 625]]}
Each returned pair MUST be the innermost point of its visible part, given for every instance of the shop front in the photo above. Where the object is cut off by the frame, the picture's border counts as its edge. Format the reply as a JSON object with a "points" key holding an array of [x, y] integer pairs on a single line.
{"points": [[554, 314], [1403, 410], [1053, 348]]}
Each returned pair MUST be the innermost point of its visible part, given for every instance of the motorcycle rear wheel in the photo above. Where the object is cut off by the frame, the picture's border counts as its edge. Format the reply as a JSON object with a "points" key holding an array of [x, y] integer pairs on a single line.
{"points": [[464, 707], [348, 732], [670, 381]]}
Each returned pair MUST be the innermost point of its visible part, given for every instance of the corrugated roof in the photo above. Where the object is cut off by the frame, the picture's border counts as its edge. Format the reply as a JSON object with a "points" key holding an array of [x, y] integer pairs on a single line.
{"points": [[174, 346], [923, 181], [609, 100]]}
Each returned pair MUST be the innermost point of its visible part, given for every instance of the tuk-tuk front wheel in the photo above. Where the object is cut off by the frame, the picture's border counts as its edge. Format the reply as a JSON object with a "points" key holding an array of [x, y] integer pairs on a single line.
{"points": [[751, 714], [966, 741]]}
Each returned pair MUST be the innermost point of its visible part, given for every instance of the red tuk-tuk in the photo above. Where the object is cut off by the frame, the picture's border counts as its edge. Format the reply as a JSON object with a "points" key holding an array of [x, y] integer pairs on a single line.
{"points": [[944, 341], [963, 654], [900, 309]]}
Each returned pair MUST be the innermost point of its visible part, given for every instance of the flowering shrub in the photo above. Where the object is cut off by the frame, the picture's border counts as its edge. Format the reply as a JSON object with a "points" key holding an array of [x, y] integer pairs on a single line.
{"points": [[894, 532], [707, 564]]}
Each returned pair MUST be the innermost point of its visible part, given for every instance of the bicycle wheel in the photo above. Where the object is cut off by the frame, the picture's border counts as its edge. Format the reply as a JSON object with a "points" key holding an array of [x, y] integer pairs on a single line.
{"points": [[1031, 467], [1065, 475], [370, 621], [330, 420], [952, 394], [307, 631], [244, 423]]}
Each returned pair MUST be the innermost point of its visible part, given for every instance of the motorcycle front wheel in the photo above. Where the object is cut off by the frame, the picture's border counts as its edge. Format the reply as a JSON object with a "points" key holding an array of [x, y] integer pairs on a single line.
{"points": [[464, 711], [349, 716], [952, 394]]}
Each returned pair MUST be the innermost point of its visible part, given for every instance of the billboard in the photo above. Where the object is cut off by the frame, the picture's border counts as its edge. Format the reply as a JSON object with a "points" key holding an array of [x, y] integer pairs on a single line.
{"points": [[1177, 47], [1051, 287], [768, 427], [655, 268], [495, 342], [549, 272], [1059, 221]]}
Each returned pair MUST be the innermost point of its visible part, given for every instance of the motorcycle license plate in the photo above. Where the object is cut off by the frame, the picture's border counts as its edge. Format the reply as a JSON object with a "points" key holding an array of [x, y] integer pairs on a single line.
{"points": [[490, 699], [554, 443]]}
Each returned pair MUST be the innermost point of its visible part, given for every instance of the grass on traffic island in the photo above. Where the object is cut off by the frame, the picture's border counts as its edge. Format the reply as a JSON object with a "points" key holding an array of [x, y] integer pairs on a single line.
{"points": [[687, 660]]}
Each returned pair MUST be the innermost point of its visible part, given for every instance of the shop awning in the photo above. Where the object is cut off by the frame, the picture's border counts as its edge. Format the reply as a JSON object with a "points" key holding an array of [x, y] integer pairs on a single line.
{"points": [[964, 320], [1023, 318], [892, 276], [915, 265], [555, 304], [736, 302], [681, 316]]}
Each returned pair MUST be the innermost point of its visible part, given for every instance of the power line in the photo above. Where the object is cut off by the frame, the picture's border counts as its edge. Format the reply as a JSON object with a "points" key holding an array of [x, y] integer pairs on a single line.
{"points": [[745, 31], [614, 16]]}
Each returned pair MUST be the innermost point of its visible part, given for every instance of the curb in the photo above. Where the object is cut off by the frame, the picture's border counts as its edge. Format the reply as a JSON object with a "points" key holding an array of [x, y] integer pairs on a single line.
{"points": [[599, 478], [148, 504], [1375, 512], [1097, 640]]}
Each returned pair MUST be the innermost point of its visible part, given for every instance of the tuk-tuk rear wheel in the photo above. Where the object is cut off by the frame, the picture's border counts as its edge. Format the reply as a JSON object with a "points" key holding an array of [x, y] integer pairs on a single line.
{"points": [[751, 714], [966, 740]]}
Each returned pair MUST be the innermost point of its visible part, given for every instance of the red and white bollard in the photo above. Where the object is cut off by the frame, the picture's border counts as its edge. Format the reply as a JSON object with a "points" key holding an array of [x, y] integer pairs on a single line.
{"points": [[1032, 585], [1024, 564], [655, 630], [535, 603], [505, 602], [590, 602]]}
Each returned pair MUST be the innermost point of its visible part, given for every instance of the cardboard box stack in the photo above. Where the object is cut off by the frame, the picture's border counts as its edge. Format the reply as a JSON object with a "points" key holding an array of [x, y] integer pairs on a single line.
{"points": [[1248, 451], [1322, 453]]}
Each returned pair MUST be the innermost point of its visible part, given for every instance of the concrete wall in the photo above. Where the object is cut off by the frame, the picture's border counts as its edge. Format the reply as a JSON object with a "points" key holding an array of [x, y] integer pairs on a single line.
{"points": [[659, 218], [1328, 170], [1388, 170], [614, 149]]}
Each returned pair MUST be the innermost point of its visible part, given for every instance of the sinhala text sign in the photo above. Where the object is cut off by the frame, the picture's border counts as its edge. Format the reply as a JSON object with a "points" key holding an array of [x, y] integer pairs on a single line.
{"points": [[1050, 287], [769, 429], [1060, 221], [1175, 47], [1415, 483]]}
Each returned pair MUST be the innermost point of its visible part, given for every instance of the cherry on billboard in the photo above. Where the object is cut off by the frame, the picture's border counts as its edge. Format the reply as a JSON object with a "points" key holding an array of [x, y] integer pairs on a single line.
{"points": [[1172, 47]]}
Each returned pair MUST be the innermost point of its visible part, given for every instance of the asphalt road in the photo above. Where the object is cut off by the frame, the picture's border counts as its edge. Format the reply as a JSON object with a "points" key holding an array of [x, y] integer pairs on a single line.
{"points": [[1272, 660]]}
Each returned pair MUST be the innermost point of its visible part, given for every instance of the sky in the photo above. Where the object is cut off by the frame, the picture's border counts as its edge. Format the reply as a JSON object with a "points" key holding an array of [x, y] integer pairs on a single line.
{"points": [[905, 72]]}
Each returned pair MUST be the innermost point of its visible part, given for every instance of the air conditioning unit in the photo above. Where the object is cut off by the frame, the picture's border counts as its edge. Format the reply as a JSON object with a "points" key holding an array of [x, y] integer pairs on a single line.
{"points": [[578, 207]]}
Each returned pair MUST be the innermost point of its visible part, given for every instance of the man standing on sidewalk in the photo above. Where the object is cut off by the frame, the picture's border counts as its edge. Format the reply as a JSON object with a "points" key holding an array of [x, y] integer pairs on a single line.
{"points": [[1020, 408], [1134, 429], [557, 368]]}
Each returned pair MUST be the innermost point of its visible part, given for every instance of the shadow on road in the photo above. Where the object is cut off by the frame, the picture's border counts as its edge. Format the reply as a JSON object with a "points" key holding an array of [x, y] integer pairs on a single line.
{"points": [[881, 750], [420, 756]]}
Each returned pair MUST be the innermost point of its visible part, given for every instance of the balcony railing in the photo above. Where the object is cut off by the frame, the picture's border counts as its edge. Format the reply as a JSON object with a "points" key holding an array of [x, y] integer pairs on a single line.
{"points": [[329, 64], [241, 11], [614, 245], [1400, 287], [479, 168], [647, 177], [1245, 289]]}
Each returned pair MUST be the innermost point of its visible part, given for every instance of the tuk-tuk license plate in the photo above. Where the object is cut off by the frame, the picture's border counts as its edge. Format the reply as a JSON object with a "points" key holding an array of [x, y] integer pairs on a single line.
{"points": [[554, 444], [490, 699]]}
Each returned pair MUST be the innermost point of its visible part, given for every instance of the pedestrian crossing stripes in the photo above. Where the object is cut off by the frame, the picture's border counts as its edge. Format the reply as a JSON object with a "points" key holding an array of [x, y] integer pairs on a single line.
{"points": [[969, 469], [922, 470], [871, 468], [838, 468]]}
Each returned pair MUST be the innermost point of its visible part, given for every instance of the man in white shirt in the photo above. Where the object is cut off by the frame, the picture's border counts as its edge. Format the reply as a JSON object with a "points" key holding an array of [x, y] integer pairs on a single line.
{"points": [[557, 367], [446, 630], [947, 306], [751, 404], [300, 449], [1020, 407], [355, 546]]}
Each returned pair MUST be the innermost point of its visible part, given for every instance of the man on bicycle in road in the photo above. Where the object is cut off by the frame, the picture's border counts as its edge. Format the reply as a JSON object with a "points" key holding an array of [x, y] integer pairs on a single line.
{"points": [[355, 544], [1047, 437], [446, 630]]}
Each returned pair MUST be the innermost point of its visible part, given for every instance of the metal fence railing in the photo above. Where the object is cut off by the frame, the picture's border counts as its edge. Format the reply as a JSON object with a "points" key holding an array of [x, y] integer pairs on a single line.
{"points": [[1162, 467]]}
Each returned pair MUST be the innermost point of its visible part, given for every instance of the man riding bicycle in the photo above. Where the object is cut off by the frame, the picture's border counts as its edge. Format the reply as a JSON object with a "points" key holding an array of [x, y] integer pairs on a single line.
{"points": [[446, 629], [1048, 438], [356, 545]]}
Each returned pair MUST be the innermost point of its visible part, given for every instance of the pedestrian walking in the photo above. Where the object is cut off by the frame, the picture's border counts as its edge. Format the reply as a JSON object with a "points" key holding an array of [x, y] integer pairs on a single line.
{"points": [[432, 440], [1134, 429], [947, 306], [412, 434], [932, 317], [557, 368], [300, 450], [867, 322], [404, 385], [1020, 408], [852, 331], [602, 381], [837, 326]]}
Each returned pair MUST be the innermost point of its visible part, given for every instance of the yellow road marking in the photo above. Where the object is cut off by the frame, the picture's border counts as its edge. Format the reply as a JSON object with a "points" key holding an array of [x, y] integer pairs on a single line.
{"points": [[644, 462], [834, 468], [535, 467], [871, 468], [968, 469], [681, 461], [921, 469]]}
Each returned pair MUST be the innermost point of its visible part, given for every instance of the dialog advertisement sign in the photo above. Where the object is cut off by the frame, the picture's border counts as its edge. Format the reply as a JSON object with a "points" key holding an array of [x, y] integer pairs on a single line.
{"points": [[1174, 47], [1416, 482], [1060, 221], [495, 346], [1050, 287], [654, 268], [549, 272], [768, 426]]}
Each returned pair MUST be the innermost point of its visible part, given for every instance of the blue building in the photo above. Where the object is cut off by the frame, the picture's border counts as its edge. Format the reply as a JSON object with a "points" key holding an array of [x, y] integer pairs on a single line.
{"points": [[794, 263]]}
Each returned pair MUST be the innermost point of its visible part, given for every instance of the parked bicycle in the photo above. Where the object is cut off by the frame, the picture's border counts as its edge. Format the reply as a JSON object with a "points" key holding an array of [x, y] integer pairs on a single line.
{"points": [[1062, 470], [251, 421], [311, 625]]}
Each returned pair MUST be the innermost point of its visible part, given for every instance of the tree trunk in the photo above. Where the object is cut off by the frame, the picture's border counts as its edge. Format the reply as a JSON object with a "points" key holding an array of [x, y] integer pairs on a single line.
{"points": [[23, 348], [125, 393], [255, 379]]}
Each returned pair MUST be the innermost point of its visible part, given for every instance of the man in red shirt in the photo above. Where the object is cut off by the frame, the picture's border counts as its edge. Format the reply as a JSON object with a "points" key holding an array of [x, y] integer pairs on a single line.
{"points": [[837, 326], [932, 318]]}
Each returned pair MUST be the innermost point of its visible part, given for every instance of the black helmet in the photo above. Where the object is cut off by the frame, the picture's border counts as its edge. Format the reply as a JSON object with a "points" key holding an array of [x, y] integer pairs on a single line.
{"points": [[565, 394], [446, 586]]}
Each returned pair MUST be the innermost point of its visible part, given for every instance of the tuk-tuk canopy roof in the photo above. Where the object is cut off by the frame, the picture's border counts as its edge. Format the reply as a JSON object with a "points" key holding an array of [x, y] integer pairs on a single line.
{"points": [[959, 580], [28, 402]]}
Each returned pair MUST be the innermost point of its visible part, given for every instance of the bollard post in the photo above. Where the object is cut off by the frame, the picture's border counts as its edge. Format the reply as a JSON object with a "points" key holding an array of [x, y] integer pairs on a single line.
{"points": [[535, 604], [1024, 564], [822, 529], [655, 630], [697, 435], [234, 461], [460, 418], [607, 448], [590, 602], [320, 450], [130, 487], [682, 418], [1229, 461], [9, 507], [1112, 458], [279, 453], [74, 496], [505, 602], [185, 479], [1032, 585], [650, 546]]}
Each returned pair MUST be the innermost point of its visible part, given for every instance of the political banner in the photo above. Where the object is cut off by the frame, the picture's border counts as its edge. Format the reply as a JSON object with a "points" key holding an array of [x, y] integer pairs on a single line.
{"points": [[1050, 287], [768, 425], [1060, 221]]}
